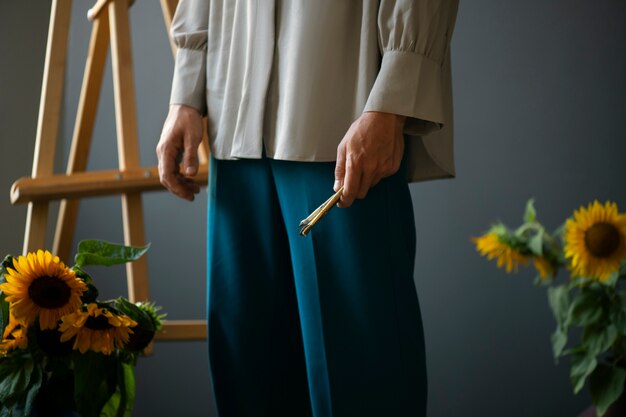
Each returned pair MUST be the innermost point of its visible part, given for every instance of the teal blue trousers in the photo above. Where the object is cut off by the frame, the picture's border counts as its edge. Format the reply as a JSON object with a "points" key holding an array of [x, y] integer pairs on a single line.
{"points": [[326, 325]]}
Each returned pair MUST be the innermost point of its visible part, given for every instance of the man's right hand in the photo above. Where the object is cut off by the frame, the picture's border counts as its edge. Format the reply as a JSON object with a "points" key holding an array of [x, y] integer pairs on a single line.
{"points": [[182, 132]]}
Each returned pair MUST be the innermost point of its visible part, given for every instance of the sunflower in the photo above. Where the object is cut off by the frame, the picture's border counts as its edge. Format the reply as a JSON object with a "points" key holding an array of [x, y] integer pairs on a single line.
{"points": [[40, 286], [15, 336], [493, 246], [544, 268], [97, 329], [144, 332], [595, 240]]}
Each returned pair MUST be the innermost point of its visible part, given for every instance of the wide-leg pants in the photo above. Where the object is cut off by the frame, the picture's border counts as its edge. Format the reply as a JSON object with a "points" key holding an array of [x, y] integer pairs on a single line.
{"points": [[326, 325]]}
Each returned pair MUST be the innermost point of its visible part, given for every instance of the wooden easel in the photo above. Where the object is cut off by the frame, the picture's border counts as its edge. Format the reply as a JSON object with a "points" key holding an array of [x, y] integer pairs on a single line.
{"points": [[110, 23]]}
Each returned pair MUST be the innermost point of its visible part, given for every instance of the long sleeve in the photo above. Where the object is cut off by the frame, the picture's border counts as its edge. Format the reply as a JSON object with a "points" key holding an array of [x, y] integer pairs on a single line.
{"points": [[414, 38], [287, 78], [189, 31]]}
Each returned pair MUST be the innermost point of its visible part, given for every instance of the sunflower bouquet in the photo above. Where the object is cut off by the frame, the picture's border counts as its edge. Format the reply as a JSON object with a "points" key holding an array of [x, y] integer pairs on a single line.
{"points": [[62, 349], [591, 246]]}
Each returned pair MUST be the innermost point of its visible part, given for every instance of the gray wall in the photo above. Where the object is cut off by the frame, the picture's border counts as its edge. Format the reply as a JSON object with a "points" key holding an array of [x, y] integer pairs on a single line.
{"points": [[540, 111]]}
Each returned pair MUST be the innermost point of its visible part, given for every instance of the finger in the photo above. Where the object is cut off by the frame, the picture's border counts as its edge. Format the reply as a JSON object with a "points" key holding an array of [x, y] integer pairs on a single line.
{"points": [[376, 180], [170, 176], [167, 167], [398, 153], [190, 186], [365, 185], [167, 152], [190, 157], [182, 186], [351, 184], [340, 168], [175, 183]]}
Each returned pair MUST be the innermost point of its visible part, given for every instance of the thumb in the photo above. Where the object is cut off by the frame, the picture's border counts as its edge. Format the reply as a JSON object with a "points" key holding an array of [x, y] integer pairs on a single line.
{"points": [[340, 168]]}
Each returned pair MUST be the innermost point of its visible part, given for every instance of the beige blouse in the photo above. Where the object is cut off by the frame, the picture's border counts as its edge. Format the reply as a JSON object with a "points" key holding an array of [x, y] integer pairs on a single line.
{"points": [[291, 76]]}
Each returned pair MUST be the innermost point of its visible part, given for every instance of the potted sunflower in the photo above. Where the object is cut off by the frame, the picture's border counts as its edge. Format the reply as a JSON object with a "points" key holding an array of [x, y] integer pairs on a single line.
{"points": [[591, 247], [64, 351]]}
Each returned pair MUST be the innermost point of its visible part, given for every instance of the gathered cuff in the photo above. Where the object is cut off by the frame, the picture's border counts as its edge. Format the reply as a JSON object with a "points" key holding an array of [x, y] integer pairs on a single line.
{"points": [[189, 82], [410, 84]]}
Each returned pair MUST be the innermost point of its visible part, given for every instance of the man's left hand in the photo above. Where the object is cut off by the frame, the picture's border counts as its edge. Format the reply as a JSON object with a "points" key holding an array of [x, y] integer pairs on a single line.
{"points": [[370, 151]]}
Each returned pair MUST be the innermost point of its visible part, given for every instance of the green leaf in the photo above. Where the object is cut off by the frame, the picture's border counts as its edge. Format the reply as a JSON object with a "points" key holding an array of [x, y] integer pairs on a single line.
{"points": [[582, 367], [122, 402], [91, 295], [99, 252], [530, 214], [4, 305], [111, 407], [15, 375], [619, 321], [598, 339], [4, 313], [586, 308], [7, 262], [80, 273], [576, 350], [618, 313], [127, 390], [559, 341], [33, 390], [95, 377], [559, 231], [535, 243], [606, 384], [612, 280], [559, 301]]}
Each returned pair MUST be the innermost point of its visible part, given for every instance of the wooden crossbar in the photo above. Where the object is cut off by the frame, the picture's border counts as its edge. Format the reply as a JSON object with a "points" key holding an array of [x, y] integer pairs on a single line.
{"points": [[189, 330], [91, 184]]}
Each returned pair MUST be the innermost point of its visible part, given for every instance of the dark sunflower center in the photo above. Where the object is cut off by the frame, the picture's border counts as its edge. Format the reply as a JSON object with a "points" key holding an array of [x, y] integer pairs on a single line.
{"points": [[98, 323], [139, 339], [602, 239], [49, 292]]}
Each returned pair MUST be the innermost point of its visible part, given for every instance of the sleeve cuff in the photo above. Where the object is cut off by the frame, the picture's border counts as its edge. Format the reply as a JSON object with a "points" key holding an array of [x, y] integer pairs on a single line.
{"points": [[409, 84], [189, 82]]}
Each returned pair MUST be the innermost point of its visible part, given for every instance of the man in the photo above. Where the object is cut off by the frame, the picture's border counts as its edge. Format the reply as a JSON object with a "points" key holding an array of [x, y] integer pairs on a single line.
{"points": [[303, 97]]}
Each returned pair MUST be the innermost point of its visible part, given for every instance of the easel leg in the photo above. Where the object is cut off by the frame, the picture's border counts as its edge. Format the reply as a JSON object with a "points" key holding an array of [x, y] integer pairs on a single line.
{"points": [[49, 116], [169, 8], [83, 130], [128, 146], [203, 150]]}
